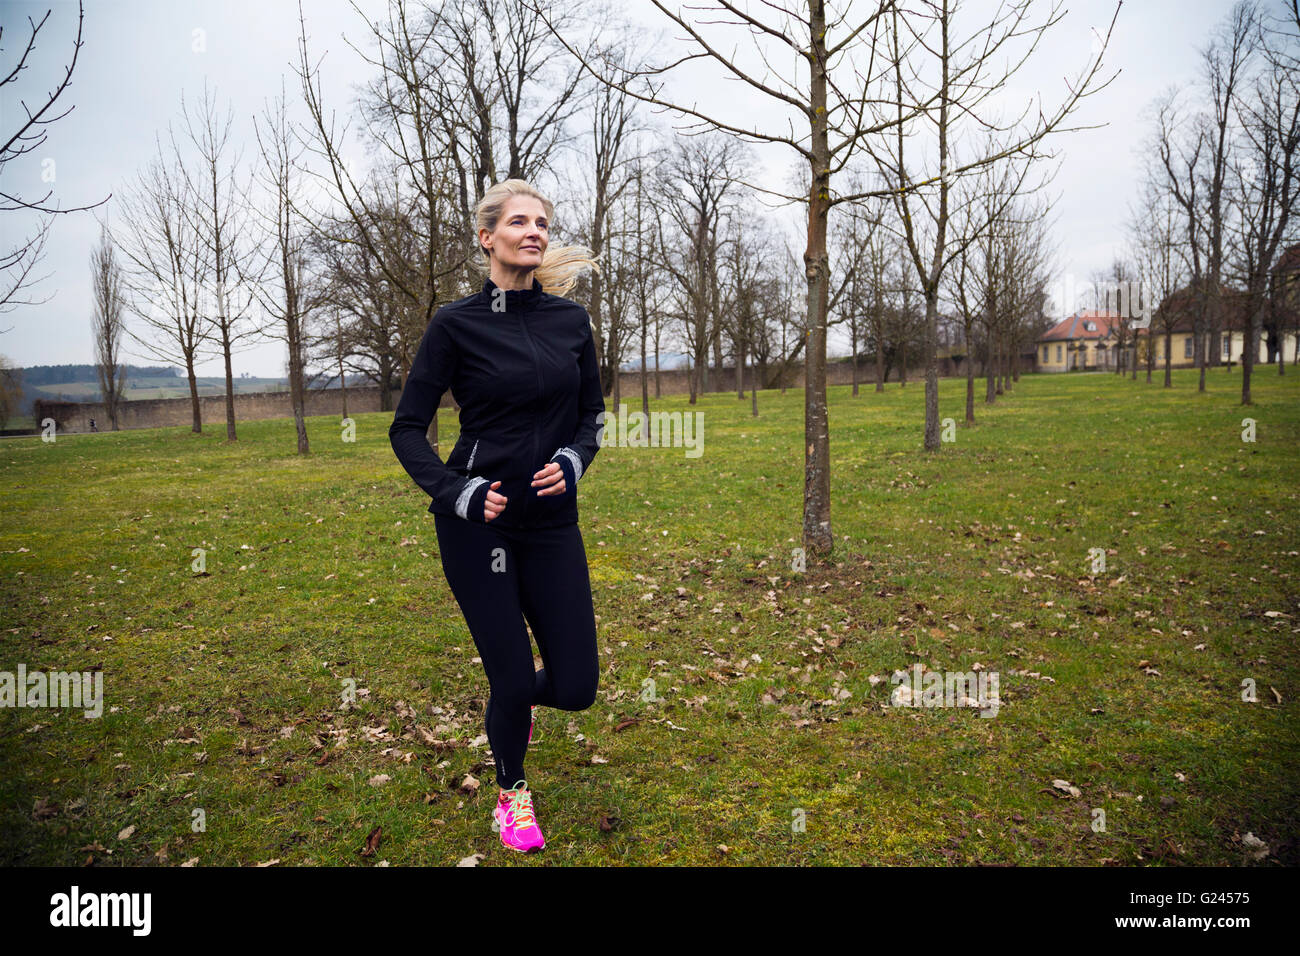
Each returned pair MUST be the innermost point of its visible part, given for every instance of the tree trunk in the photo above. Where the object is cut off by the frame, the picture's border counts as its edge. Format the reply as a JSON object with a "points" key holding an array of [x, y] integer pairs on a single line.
{"points": [[881, 371], [230, 382], [853, 356], [1249, 350], [197, 426], [1169, 358], [1198, 343], [817, 537], [990, 365], [932, 367]]}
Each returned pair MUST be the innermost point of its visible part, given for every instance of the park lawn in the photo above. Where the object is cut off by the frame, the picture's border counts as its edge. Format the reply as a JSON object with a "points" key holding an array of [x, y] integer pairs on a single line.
{"points": [[737, 720]]}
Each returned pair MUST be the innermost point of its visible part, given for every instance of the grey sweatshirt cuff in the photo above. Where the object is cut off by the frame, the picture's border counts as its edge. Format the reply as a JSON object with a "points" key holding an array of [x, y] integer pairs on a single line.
{"points": [[574, 459], [466, 494]]}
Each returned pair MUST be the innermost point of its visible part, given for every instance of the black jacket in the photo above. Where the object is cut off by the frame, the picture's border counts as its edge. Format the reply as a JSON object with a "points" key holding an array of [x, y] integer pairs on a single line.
{"points": [[525, 377]]}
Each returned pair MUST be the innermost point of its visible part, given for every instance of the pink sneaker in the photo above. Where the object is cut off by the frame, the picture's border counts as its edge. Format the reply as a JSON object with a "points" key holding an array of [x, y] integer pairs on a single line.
{"points": [[514, 817]]}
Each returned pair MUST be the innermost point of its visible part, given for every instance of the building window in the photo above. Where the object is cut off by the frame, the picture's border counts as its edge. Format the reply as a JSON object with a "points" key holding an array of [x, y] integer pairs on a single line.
{"points": [[1044, 353], [1058, 354], [1187, 347], [1227, 346]]}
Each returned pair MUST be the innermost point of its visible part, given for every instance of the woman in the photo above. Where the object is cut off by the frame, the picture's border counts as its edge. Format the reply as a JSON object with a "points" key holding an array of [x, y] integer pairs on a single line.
{"points": [[521, 364]]}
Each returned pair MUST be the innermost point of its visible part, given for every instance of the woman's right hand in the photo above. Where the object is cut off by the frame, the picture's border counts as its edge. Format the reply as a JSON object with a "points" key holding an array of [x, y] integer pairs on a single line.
{"points": [[494, 503]]}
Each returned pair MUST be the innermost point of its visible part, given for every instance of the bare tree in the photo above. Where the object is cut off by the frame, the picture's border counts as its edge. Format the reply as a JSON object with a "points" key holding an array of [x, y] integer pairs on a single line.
{"points": [[401, 113], [1161, 266], [835, 75], [963, 297], [1266, 180], [377, 326], [1120, 278], [693, 191], [746, 312], [836, 90], [17, 263], [289, 298], [220, 215], [1227, 60], [1026, 281], [617, 277], [108, 324], [1181, 147], [1195, 155], [1012, 258], [504, 97], [882, 251], [981, 285], [970, 280], [613, 124], [791, 316], [941, 86], [644, 257], [860, 292], [165, 270]]}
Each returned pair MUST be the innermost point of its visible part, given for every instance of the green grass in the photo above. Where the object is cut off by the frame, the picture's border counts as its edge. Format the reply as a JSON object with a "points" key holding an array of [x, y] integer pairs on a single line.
{"points": [[223, 691]]}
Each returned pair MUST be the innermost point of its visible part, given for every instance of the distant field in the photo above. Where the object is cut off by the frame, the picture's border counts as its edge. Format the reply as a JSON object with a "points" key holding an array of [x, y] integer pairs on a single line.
{"points": [[223, 691], [141, 387]]}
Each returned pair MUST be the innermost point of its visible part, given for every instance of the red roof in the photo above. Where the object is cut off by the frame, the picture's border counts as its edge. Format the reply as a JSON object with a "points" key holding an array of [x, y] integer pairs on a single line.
{"points": [[1091, 324]]}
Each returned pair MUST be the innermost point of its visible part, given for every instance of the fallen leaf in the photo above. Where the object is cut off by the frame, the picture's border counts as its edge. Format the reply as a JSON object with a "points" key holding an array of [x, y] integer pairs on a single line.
{"points": [[1256, 848], [1066, 787], [372, 842]]}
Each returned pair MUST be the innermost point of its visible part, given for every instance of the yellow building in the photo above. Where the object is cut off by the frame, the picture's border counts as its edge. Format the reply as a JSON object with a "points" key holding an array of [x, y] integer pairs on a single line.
{"points": [[1085, 341], [1182, 344], [1180, 338], [1090, 341]]}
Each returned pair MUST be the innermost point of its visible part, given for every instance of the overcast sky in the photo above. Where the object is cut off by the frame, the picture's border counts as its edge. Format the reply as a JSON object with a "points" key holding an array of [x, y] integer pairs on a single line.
{"points": [[139, 56]]}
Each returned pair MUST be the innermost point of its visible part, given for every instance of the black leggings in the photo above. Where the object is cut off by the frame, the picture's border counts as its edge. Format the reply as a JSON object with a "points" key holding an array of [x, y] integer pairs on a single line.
{"points": [[499, 576]]}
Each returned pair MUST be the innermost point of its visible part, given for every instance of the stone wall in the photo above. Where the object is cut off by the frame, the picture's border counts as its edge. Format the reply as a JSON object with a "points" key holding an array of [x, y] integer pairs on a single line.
{"points": [[166, 412], [170, 412]]}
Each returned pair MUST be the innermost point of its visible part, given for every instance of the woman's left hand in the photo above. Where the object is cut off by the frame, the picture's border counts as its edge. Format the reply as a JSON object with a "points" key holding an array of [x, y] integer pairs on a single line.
{"points": [[550, 480]]}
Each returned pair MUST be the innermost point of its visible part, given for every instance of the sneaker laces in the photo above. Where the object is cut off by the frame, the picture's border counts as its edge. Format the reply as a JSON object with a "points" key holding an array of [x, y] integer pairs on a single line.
{"points": [[520, 806]]}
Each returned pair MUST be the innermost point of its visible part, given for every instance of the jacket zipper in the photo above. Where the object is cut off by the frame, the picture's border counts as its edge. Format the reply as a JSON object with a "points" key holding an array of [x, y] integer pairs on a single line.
{"points": [[470, 464], [537, 365]]}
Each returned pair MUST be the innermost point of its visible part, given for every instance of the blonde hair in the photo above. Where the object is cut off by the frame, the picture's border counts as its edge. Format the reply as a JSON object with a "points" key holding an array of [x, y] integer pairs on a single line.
{"points": [[561, 265]]}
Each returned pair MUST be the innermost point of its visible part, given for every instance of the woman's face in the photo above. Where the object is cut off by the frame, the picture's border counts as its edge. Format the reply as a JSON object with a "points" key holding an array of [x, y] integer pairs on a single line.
{"points": [[521, 234]]}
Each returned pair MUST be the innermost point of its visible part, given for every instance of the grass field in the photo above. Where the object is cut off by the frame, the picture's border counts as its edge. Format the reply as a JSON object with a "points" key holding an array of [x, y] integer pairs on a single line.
{"points": [[225, 740]]}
